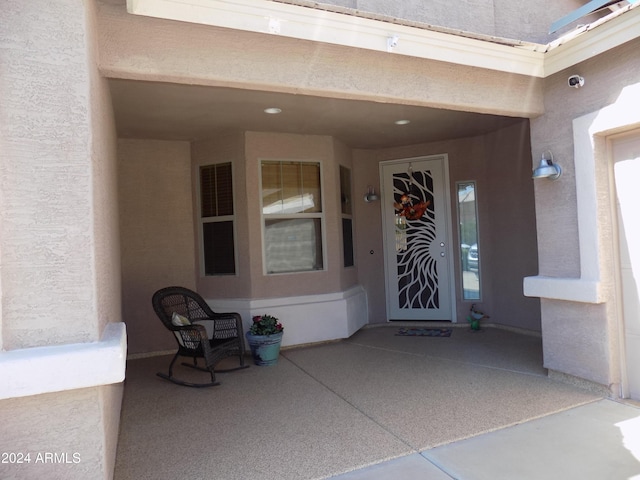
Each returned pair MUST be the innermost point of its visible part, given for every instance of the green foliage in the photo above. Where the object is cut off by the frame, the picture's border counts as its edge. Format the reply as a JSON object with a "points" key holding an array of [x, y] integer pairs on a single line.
{"points": [[265, 325]]}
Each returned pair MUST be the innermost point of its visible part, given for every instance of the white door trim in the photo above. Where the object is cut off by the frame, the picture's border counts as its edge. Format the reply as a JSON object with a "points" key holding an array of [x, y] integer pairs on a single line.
{"points": [[450, 251], [622, 148]]}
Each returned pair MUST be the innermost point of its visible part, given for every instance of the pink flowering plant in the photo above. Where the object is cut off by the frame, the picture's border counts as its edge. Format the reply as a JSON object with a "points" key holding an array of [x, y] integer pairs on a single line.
{"points": [[265, 325]]}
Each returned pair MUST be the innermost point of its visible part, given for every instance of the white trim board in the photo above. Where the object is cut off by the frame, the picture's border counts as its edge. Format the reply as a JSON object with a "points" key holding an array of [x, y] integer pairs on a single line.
{"points": [[32, 371], [307, 318]]}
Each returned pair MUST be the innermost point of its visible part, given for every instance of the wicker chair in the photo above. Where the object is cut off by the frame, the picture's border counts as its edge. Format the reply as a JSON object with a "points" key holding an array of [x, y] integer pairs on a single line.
{"points": [[184, 312]]}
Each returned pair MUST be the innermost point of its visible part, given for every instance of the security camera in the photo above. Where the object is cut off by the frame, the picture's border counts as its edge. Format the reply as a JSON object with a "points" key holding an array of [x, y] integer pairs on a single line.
{"points": [[392, 42], [576, 81]]}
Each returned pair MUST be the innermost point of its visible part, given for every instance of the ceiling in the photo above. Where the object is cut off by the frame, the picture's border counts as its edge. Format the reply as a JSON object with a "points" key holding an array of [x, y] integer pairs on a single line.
{"points": [[190, 112]]}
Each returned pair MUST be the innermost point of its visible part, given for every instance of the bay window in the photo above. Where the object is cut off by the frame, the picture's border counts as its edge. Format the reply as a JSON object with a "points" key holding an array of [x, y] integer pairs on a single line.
{"points": [[292, 216]]}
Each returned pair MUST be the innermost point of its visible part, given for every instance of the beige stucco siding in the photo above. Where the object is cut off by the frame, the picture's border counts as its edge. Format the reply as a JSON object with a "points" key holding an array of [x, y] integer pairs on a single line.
{"points": [[580, 339], [229, 147], [264, 146], [157, 233], [48, 262], [343, 157], [136, 47], [80, 427], [104, 187], [59, 247]]}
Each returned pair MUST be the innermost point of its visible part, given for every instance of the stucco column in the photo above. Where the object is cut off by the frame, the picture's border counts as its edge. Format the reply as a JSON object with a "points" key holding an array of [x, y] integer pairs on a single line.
{"points": [[62, 358]]}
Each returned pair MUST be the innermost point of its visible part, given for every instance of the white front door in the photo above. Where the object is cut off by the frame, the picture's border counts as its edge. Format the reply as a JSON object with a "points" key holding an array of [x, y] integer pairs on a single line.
{"points": [[416, 224], [626, 155]]}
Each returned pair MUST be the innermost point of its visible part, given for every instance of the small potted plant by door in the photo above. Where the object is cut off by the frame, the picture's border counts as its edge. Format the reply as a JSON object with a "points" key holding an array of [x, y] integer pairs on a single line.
{"points": [[264, 337], [474, 317]]}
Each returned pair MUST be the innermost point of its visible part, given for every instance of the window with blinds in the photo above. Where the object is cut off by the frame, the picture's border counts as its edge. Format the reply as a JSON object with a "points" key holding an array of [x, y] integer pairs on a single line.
{"points": [[347, 216], [216, 216], [292, 216]]}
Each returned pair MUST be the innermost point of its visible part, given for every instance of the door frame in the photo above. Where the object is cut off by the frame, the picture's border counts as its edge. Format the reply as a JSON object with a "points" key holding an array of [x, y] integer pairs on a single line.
{"points": [[450, 252], [629, 387]]}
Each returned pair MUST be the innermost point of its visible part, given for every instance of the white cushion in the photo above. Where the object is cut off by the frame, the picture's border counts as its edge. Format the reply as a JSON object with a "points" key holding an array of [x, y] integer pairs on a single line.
{"points": [[179, 320]]}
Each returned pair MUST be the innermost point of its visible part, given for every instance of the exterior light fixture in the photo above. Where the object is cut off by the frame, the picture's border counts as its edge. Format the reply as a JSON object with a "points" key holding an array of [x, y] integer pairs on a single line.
{"points": [[371, 195], [272, 110], [547, 169], [402, 122]]}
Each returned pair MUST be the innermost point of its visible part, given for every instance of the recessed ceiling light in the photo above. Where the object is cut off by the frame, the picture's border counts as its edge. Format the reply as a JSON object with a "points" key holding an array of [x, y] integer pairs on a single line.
{"points": [[272, 110], [402, 122]]}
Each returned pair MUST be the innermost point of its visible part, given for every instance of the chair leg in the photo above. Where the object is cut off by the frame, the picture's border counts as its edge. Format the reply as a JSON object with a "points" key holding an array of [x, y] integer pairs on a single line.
{"points": [[242, 365], [195, 365], [177, 381], [227, 370], [189, 384], [175, 357]]}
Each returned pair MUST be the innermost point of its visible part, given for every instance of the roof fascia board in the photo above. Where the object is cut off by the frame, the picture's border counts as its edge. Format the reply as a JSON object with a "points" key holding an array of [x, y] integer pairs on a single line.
{"points": [[282, 19], [590, 41], [346, 30]]}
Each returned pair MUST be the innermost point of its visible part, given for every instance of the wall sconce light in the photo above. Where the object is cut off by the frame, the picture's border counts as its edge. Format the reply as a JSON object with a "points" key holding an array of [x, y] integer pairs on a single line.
{"points": [[547, 169], [371, 195]]}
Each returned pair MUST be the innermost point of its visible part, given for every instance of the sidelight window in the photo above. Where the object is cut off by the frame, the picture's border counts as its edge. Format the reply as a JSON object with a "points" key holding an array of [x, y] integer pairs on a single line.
{"points": [[469, 245]]}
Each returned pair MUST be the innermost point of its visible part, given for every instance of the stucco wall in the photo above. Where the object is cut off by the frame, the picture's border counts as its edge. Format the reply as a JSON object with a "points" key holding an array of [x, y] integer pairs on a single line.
{"points": [[143, 48], [500, 164], [158, 183], [104, 167], [226, 148], [106, 250], [509, 244], [157, 233], [70, 425], [342, 157], [48, 263], [368, 235], [251, 282], [265, 146], [579, 338], [59, 245]]}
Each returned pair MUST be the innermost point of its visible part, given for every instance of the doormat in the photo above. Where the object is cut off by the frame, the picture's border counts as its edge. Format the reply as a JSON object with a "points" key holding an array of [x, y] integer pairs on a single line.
{"points": [[424, 332]]}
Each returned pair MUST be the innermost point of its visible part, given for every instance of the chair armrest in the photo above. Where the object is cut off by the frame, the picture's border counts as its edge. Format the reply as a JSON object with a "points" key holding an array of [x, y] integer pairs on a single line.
{"points": [[227, 325], [192, 336]]}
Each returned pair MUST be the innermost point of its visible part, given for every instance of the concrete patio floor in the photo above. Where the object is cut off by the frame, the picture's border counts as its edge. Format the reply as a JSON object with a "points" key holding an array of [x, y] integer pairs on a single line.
{"points": [[378, 406]]}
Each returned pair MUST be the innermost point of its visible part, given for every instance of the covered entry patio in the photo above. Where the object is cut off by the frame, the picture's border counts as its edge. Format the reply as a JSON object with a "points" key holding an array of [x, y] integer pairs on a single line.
{"points": [[327, 409], [87, 236]]}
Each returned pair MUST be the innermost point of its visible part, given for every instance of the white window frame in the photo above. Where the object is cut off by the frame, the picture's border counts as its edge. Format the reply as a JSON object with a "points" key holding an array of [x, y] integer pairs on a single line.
{"points": [[347, 216], [224, 218], [459, 221], [320, 215]]}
